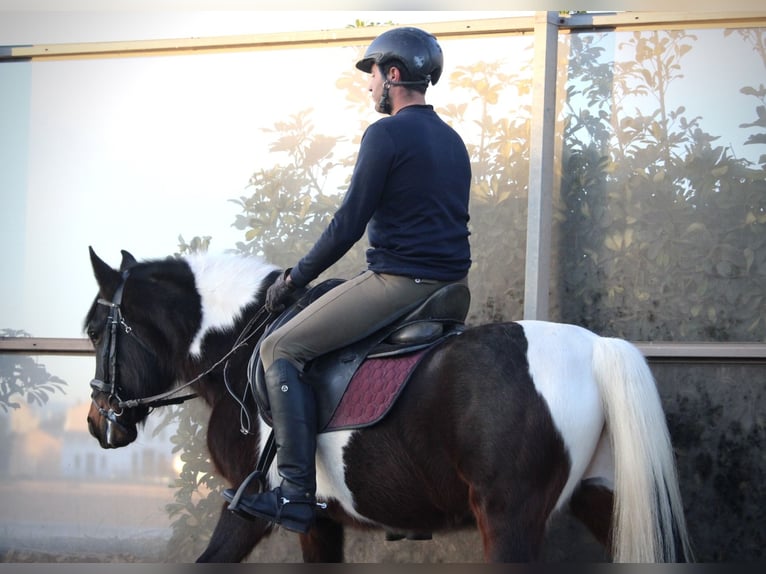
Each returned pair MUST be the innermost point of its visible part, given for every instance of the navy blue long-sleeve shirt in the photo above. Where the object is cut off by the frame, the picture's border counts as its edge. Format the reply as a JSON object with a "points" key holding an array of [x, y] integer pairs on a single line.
{"points": [[410, 189]]}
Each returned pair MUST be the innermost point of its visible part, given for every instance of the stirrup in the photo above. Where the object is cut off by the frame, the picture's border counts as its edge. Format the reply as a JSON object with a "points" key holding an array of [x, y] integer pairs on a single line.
{"points": [[268, 453], [234, 499]]}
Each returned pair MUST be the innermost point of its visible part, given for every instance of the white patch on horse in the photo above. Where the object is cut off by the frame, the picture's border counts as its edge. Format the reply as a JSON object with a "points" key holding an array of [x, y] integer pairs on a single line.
{"points": [[559, 357], [226, 283], [330, 469]]}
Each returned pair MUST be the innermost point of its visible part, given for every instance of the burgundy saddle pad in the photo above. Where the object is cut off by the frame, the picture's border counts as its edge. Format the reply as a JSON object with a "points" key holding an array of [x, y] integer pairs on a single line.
{"points": [[373, 390]]}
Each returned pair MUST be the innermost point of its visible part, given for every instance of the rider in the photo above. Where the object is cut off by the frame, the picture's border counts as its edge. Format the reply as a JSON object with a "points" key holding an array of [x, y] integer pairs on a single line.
{"points": [[410, 190]]}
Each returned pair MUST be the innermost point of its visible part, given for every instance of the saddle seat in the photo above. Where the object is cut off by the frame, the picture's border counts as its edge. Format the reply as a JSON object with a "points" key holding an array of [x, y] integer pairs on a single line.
{"points": [[443, 310]]}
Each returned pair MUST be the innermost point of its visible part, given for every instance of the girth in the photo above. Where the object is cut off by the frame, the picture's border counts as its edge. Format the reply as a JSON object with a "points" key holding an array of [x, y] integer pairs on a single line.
{"points": [[440, 316]]}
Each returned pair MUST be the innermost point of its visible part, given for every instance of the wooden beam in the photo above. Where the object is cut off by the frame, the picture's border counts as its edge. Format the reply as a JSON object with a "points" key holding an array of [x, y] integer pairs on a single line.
{"points": [[272, 41], [716, 352], [667, 20], [45, 346], [704, 352]]}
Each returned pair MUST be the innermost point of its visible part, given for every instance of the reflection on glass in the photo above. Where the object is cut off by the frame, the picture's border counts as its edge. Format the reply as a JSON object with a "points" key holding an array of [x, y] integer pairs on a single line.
{"points": [[167, 154], [487, 99], [61, 494], [661, 206]]}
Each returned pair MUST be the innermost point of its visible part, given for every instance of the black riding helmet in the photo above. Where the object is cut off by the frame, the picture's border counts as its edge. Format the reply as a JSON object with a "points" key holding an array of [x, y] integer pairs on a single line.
{"points": [[416, 49]]}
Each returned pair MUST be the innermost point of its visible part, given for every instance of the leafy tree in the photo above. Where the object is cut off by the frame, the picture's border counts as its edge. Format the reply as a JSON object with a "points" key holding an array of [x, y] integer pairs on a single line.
{"points": [[290, 205], [499, 151], [660, 235], [757, 39], [21, 377], [196, 490]]}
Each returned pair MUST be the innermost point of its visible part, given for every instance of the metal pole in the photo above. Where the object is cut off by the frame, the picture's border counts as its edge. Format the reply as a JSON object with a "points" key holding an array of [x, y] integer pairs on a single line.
{"points": [[538, 255]]}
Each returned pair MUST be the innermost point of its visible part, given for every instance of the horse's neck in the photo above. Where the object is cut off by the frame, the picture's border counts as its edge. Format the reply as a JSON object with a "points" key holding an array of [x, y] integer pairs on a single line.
{"points": [[227, 285]]}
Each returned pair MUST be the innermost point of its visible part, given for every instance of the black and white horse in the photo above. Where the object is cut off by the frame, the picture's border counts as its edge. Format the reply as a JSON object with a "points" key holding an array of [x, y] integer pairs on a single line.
{"points": [[501, 426]]}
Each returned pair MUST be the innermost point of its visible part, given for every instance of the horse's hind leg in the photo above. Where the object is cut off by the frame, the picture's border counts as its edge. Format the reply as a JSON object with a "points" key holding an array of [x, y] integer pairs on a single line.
{"points": [[324, 542], [515, 494], [592, 504], [508, 537], [233, 538], [512, 512]]}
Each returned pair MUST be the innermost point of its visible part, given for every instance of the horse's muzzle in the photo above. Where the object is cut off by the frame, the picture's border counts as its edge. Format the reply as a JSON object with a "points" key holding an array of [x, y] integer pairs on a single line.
{"points": [[105, 426]]}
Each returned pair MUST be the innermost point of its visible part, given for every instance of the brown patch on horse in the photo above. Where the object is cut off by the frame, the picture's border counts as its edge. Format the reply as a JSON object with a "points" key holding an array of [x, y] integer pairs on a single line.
{"points": [[512, 502]]}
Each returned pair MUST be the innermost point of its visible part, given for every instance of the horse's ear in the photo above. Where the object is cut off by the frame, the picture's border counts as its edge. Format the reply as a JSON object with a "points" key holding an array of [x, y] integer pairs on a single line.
{"points": [[106, 277], [128, 260]]}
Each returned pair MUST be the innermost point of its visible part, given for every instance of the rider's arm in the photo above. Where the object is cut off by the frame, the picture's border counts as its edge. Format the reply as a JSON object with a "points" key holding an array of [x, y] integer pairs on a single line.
{"points": [[350, 220]]}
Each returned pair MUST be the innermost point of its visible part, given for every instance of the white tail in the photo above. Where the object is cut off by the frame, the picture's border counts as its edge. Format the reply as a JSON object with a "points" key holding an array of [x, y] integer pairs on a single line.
{"points": [[648, 520]]}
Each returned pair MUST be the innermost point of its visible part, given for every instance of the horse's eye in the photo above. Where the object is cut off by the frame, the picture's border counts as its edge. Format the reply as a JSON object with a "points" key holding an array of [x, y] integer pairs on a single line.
{"points": [[92, 335]]}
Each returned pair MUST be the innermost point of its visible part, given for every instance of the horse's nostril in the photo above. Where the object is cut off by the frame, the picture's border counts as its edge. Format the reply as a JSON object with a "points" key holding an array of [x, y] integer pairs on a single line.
{"points": [[92, 427]]}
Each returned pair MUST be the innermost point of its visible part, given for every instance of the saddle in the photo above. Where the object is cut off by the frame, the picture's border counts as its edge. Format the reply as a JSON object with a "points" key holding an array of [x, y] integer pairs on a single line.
{"points": [[374, 369]]}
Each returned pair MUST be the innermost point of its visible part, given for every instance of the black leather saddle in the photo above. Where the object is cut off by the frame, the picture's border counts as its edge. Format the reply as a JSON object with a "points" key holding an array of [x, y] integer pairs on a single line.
{"points": [[441, 315]]}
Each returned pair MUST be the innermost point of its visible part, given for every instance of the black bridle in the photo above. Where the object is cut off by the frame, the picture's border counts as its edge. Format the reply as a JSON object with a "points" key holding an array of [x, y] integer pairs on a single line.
{"points": [[110, 384]]}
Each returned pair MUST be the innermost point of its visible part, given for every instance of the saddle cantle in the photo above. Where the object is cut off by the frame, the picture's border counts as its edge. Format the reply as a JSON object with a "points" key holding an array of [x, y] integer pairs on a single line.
{"points": [[342, 386]]}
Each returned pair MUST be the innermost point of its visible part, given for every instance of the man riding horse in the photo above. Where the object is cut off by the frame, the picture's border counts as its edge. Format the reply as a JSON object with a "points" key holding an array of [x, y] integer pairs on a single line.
{"points": [[410, 189]]}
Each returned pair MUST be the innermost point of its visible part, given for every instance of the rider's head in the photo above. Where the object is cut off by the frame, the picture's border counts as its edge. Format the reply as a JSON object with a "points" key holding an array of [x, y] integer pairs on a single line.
{"points": [[413, 52]]}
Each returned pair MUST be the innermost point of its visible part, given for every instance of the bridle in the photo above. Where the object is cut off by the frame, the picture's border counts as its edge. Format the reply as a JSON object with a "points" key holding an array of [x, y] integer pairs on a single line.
{"points": [[110, 384]]}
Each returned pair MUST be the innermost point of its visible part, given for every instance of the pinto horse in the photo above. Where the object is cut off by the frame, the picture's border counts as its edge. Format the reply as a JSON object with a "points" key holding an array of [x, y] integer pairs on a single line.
{"points": [[499, 427]]}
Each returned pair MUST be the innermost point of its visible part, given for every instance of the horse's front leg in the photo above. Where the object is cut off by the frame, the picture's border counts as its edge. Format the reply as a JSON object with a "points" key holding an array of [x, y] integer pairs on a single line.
{"points": [[324, 542], [234, 538]]}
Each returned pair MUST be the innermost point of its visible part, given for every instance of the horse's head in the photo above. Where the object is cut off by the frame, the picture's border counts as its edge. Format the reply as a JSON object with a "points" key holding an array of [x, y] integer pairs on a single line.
{"points": [[136, 324]]}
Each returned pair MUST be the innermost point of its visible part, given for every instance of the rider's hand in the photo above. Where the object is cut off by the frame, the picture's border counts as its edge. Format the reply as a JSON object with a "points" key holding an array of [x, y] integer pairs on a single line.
{"points": [[279, 293]]}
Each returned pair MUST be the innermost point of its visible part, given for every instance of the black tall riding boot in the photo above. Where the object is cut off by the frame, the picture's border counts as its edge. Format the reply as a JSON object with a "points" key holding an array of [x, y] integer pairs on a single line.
{"points": [[293, 413]]}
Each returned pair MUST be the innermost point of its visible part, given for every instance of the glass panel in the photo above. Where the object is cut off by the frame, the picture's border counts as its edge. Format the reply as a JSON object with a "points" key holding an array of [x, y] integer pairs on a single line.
{"points": [[248, 151], [62, 495], [661, 206], [145, 154]]}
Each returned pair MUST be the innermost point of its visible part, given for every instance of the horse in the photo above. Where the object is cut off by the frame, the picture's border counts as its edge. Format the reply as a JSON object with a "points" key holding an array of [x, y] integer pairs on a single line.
{"points": [[500, 427]]}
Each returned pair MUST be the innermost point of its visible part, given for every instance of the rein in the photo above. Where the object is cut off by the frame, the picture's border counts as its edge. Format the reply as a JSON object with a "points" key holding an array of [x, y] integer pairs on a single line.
{"points": [[162, 398], [110, 385]]}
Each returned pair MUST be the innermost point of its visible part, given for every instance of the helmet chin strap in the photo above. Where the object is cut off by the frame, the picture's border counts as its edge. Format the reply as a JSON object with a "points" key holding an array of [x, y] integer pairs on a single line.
{"points": [[384, 105]]}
